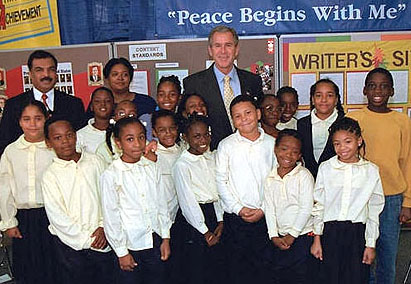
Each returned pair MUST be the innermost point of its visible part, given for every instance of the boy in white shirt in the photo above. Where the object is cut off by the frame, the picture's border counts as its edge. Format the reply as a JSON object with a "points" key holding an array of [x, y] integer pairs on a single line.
{"points": [[288, 202], [244, 160], [72, 201]]}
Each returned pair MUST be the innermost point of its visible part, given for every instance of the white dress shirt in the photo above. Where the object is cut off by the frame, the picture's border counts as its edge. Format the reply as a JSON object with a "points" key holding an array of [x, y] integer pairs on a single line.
{"points": [[194, 177], [242, 167], [348, 192], [50, 97], [72, 199], [89, 137], [291, 124], [166, 157], [21, 169], [288, 202], [320, 131], [104, 152], [133, 205]]}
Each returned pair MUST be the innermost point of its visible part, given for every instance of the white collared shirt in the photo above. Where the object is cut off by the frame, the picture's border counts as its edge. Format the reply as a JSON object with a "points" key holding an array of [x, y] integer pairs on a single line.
{"points": [[89, 137], [288, 202], [72, 199], [194, 177], [320, 131], [242, 167], [166, 158], [291, 124], [133, 205], [21, 169], [348, 192], [104, 152], [50, 97]]}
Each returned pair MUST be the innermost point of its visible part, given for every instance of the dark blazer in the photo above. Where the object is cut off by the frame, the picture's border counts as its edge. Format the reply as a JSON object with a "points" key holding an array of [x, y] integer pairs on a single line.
{"points": [[65, 106], [304, 128], [205, 84]]}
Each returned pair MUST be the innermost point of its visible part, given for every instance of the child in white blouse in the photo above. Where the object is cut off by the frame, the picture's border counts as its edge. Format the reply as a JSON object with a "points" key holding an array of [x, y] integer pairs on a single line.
{"points": [[194, 176], [244, 160], [348, 199], [21, 202], [94, 133], [288, 202], [136, 218], [72, 200]]}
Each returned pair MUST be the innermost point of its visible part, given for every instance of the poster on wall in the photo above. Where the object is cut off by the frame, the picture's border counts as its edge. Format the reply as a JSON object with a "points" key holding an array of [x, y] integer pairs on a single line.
{"points": [[346, 59], [64, 78], [28, 23]]}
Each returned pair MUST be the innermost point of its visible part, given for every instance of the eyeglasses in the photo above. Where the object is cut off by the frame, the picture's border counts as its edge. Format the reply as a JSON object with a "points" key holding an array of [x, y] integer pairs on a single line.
{"points": [[123, 114], [271, 108]]}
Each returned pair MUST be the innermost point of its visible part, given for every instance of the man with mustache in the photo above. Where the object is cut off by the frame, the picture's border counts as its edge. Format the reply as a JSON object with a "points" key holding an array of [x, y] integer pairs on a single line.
{"points": [[43, 73]]}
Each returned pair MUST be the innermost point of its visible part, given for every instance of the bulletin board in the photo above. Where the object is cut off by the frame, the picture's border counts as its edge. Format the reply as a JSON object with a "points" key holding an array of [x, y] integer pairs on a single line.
{"points": [[153, 59], [346, 59], [72, 70]]}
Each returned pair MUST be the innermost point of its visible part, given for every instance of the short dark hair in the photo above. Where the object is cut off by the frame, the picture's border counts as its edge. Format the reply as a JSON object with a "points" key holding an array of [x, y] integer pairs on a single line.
{"points": [[38, 104], [223, 29], [184, 99], [40, 54], [194, 119], [162, 113], [114, 61], [242, 99], [172, 79], [51, 121], [288, 132], [105, 89], [381, 71], [286, 90], [120, 124]]}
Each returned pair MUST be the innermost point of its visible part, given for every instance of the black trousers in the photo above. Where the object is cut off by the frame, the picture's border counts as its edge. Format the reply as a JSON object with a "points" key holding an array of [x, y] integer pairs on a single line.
{"points": [[343, 246], [84, 266], [150, 269], [249, 251], [33, 255], [200, 263], [291, 266]]}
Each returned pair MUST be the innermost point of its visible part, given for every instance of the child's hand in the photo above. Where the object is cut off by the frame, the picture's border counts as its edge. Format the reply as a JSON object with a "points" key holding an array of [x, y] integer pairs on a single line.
{"points": [[14, 233], [369, 255], [252, 215], [151, 156], [151, 147], [289, 240], [280, 243], [405, 215], [316, 248], [100, 241], [210, 238], [219, 230], [165, 249], [127, 262]]}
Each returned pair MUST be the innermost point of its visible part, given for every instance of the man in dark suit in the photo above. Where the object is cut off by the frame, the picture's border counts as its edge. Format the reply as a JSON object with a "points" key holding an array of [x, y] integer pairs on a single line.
{"points": [[210, 83], [43, 73], [95, 77]]}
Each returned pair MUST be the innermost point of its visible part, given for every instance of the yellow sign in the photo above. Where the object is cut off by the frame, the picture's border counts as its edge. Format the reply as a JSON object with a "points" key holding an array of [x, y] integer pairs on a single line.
{"points": [[28, 23]]}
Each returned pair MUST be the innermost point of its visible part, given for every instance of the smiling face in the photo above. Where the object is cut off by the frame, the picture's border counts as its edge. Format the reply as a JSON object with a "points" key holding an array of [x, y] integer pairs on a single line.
{"points": [[132, 141], [102, 104], [168, 96], [62, 138], [223, 50], [166, 131], [245, 118], [195, 104], [324, 99], [125, 109], [289, 106], [118, 79], [378, 91], [288, 152], [346, 146], [43, 74], [32, 123], [270, 111], [198, 137]]}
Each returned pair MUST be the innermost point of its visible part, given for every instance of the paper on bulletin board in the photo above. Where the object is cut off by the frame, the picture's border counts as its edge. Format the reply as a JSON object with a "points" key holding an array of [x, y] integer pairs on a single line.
{"points": [[302, 83], [64, 82], [29, 23], [180, 73], [144, 52], [337, 78], [140, 83]]}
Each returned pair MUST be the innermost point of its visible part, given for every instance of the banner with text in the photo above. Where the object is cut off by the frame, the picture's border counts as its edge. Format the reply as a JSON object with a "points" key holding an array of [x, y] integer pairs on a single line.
{"points": [[197, 18], [28, 23]]}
